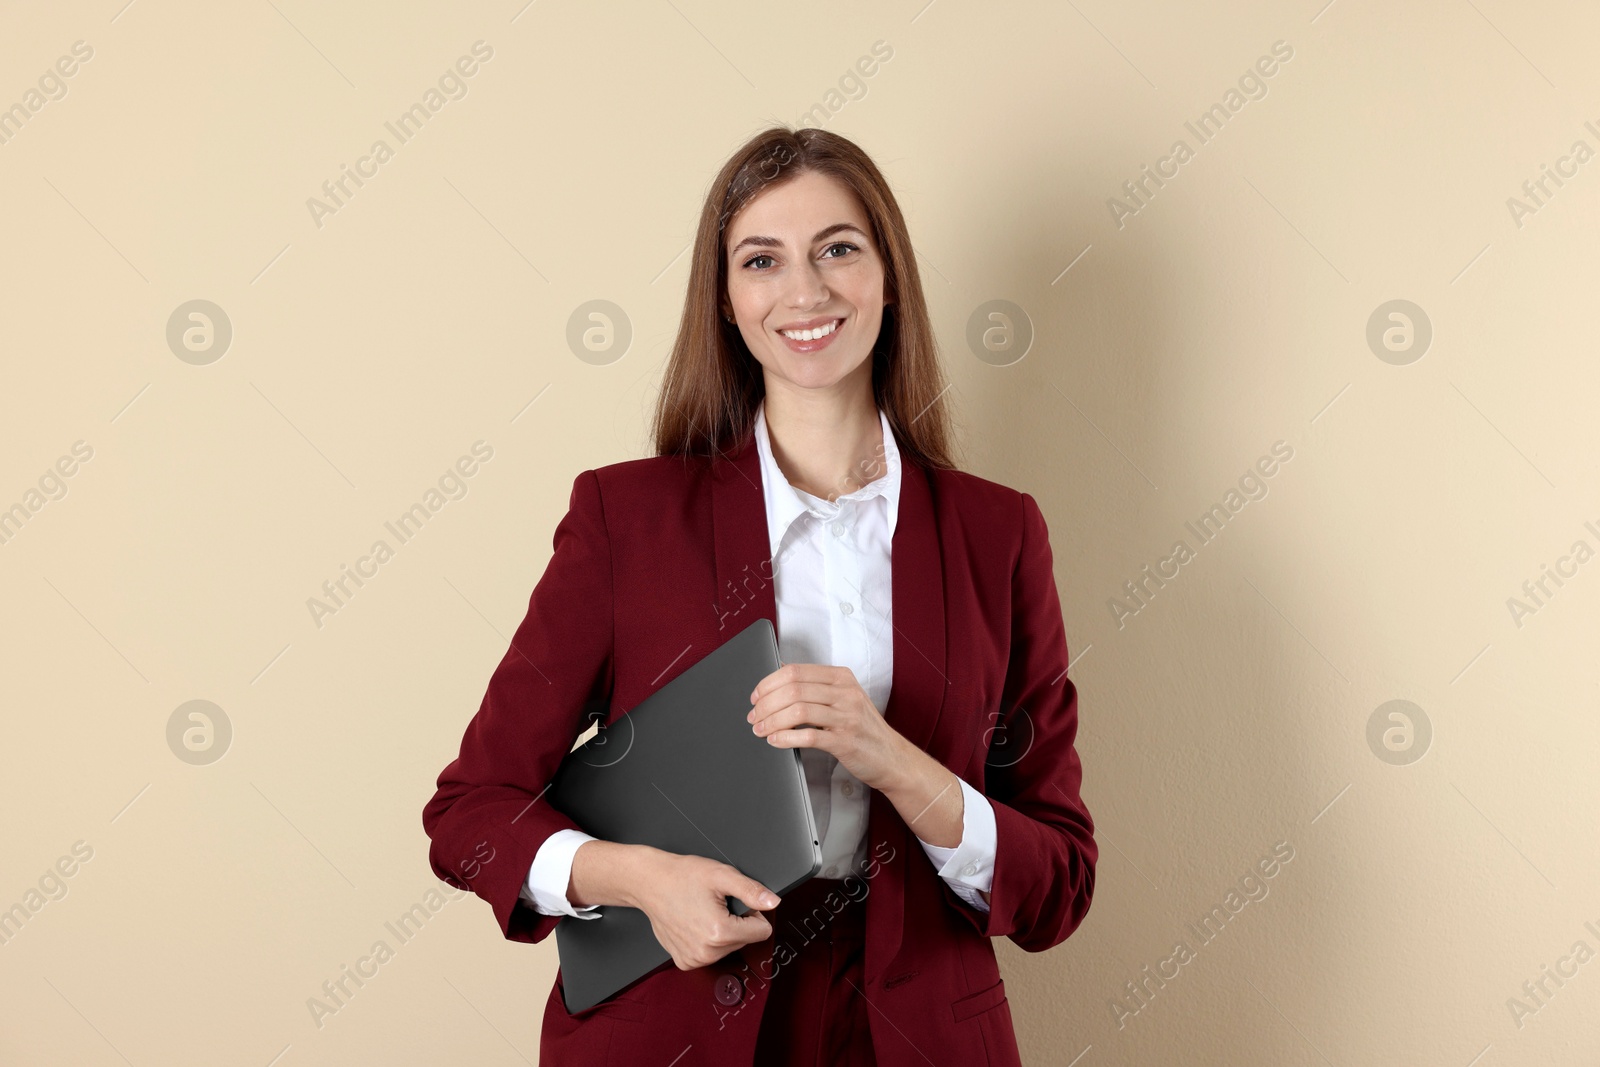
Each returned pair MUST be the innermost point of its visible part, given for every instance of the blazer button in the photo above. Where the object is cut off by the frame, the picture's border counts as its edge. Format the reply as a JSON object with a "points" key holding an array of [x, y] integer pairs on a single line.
{"points": [[729, 990]]}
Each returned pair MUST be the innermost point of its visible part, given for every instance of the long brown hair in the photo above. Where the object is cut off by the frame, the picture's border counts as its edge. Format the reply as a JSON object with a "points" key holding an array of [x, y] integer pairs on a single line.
{"points": [[713, 384]]}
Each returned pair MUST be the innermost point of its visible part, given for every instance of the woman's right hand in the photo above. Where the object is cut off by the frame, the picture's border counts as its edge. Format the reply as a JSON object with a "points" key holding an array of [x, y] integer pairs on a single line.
{"points": [[686, 900]]}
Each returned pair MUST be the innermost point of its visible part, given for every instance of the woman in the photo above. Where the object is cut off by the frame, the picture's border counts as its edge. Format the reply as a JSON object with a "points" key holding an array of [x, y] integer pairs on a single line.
{"points": [[801, 434]]}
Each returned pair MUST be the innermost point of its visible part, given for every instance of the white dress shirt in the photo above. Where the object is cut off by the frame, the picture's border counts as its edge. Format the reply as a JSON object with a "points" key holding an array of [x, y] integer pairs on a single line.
{"points": [[833, 586]]}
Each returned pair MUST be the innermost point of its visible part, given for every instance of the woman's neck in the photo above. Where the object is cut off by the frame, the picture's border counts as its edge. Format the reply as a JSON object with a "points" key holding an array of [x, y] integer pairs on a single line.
{"points": [[827, 446]]}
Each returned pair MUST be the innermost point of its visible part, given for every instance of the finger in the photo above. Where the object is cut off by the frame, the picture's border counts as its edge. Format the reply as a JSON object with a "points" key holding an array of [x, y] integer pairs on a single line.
{"points": [[792, 693], [752, 929], [792, 672], [795, 716], [755, 895], [799, 709], [823, 740]]}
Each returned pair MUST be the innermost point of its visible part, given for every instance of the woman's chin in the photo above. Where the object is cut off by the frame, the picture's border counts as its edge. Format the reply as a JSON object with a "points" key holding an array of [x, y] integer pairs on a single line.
{"points": [[816, 373]]}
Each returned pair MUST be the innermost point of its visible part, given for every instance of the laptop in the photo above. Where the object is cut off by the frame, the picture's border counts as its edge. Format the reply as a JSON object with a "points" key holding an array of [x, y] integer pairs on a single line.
{"points": [[683, 772]]}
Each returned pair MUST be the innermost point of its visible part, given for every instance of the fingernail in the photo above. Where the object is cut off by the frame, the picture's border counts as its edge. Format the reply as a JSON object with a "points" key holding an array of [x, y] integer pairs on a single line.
{"points": [[769, 900]]}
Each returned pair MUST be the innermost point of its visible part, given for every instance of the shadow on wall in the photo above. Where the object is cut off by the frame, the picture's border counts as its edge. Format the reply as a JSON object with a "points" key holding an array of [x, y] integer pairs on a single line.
{"points": [[1190, 727]]}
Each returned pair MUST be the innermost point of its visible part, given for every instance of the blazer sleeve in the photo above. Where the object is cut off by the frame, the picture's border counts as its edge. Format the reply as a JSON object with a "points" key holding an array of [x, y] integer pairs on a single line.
{"points": [[1045, 851], [488, 817]]}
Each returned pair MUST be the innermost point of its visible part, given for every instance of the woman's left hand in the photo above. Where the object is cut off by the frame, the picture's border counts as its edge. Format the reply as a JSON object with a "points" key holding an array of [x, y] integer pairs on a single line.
{"points": [[847, 725]]}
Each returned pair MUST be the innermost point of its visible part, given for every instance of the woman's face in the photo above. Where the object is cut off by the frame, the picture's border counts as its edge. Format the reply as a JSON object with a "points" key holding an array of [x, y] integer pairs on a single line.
{"points": [[800, 256]]}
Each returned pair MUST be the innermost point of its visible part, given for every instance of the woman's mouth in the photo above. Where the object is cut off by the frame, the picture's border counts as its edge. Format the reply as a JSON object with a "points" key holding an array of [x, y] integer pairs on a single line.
{"points": [[812, 340]]}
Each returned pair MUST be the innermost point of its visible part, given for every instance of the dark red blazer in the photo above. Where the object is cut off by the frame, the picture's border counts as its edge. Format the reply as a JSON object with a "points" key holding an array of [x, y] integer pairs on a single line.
{"points": [[660, 560]]}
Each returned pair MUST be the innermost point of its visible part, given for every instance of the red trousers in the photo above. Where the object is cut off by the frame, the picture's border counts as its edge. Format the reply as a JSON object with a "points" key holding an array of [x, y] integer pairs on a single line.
{"points": [[816, 1015]]}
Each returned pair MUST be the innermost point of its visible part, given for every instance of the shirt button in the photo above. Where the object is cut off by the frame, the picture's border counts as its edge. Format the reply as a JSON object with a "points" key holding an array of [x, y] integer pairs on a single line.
{"points": [[729, 990], [847, 608], [970, 869], [849, 790], [838, 529]]}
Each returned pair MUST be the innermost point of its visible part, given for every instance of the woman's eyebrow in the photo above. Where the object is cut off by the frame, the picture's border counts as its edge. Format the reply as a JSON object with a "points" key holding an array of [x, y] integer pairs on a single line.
{"points": [[773, 242]]}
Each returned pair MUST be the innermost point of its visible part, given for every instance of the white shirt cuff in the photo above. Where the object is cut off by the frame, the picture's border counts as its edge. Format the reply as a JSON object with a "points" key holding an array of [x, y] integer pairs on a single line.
{"points": [[548, 878], [969, 867]]}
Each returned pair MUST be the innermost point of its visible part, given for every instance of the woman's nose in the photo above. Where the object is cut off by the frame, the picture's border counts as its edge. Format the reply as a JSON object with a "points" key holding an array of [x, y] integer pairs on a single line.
{"points": [[806, 288]]}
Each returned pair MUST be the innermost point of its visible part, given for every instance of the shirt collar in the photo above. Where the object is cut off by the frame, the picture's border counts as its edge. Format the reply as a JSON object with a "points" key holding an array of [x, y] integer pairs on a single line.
{"points": [[785, 504]]}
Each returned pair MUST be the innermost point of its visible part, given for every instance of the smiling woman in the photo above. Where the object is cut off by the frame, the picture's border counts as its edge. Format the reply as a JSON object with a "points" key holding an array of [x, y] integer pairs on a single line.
{"points": [[806, 290], [802, 475], [804, 217]]}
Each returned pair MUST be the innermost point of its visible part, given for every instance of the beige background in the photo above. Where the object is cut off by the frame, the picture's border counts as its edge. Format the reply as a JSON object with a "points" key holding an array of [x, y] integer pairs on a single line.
{"points": [[430, 312]]}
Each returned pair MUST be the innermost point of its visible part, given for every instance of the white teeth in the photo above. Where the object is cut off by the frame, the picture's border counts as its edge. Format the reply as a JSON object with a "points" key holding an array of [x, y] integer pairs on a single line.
{"points": [[812, 335]]}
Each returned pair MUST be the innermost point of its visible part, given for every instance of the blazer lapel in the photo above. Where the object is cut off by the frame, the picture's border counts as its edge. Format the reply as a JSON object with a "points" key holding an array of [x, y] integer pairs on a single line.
{"points": [[916, 700], [744, 593], [916, 695], [743, 548]]}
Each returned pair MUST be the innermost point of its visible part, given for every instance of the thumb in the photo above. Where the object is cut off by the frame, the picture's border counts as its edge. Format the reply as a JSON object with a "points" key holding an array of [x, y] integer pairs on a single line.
{"points": [[756, 896]]}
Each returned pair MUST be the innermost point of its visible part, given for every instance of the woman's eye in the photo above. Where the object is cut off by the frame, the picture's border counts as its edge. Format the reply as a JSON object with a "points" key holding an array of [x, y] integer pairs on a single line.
{"points": [[846, 245]]}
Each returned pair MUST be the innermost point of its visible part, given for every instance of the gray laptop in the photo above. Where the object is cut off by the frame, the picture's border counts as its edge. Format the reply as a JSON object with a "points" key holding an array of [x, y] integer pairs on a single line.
{"points": [[684, 772]]}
